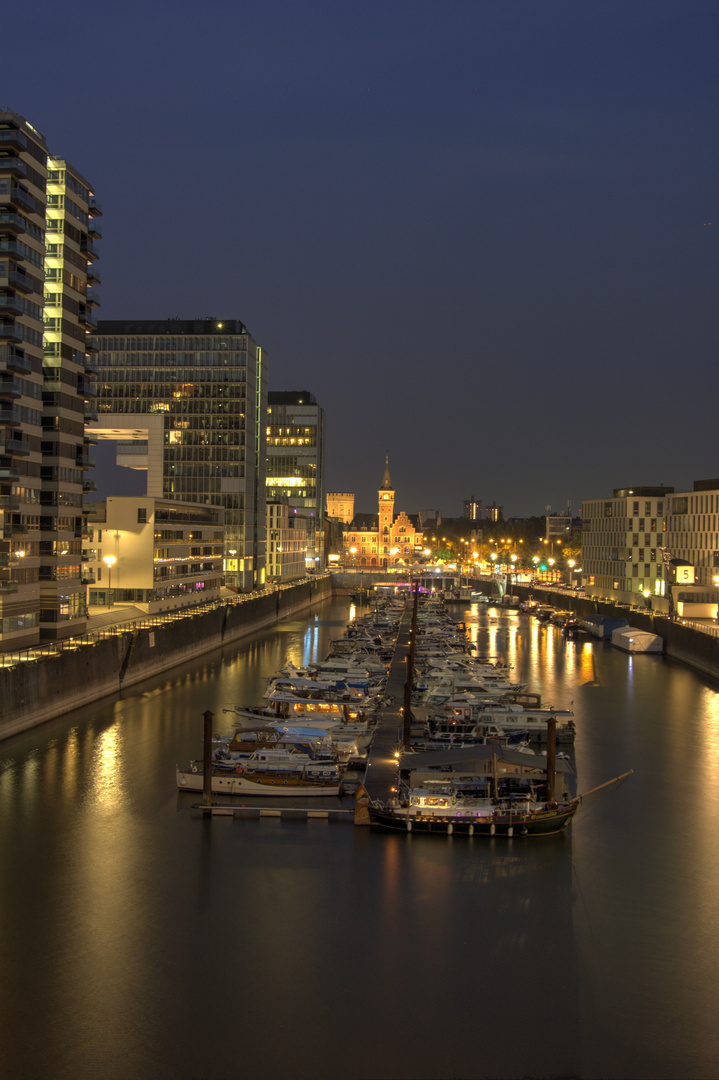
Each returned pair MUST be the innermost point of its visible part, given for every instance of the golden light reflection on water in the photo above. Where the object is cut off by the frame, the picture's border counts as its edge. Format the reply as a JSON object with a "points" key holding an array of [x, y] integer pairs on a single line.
{"points": [[108, 789]]}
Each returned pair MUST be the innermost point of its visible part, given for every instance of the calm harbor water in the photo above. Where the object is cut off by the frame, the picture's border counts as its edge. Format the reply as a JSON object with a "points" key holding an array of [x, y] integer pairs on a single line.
{"points": [[139, 940]]}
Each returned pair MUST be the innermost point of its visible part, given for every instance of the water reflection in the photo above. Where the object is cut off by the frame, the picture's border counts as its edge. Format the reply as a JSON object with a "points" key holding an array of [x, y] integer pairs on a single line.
{"points": [[138, 928]]}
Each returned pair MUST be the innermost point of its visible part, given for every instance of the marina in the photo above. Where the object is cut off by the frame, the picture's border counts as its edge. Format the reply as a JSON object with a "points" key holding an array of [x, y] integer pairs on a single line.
{"points": [[458, 763]]}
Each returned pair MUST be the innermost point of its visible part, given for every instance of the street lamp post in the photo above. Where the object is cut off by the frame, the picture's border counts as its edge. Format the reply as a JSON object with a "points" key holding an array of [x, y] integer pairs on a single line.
{"points": [[109, 561]]}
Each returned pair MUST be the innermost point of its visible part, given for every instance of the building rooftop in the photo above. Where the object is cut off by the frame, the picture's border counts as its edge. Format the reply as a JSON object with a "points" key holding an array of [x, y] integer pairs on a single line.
{"points": [[170, 326]]}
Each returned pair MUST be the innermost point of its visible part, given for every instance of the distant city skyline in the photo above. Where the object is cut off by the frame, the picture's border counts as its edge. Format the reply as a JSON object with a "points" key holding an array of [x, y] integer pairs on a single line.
{"points": [[483, 236]]}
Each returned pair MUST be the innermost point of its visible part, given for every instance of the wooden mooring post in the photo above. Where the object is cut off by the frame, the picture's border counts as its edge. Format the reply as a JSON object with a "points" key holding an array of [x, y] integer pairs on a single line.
{"points": [[208, 717]]}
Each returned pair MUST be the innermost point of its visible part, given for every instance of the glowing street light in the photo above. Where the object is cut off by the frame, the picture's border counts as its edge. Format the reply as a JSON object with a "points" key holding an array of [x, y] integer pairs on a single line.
{"points": [[109, 561]]}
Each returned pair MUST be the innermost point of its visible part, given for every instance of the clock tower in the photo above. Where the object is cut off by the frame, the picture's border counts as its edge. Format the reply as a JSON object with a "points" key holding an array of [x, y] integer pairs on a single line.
{"points": [[386, 517]]}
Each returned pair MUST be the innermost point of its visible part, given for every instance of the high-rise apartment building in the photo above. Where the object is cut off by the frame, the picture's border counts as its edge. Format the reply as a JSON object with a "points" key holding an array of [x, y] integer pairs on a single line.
{"points": [[69, 393], [295, 461], [45, 381], [187, 401]]}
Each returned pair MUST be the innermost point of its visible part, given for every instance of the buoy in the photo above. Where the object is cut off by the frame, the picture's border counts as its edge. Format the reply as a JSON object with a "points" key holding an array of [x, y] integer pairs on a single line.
{"points": [[450, 829], [492, 829], [471, 830], [183, 780], [510, 830], [409, 826]]}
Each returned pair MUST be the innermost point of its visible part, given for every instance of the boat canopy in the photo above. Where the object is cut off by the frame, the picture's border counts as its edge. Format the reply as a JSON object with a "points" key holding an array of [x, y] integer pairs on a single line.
{"points": [[465, 758]]}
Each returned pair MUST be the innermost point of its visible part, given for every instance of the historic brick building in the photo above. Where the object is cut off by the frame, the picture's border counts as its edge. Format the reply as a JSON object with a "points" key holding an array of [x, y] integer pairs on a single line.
{"points": [[378, 541]]}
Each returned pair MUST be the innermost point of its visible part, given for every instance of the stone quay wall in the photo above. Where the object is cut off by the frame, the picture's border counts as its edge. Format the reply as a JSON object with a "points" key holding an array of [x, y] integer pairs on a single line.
{"points": [[35, 691]]}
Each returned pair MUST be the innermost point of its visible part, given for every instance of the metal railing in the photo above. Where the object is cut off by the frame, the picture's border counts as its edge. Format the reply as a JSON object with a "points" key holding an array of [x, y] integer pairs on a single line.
{"points": [[33, 653]]}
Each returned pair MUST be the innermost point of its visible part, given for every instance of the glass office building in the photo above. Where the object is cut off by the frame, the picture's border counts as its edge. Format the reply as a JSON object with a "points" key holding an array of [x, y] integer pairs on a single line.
{"points": [[295, 461], [187, 400]]}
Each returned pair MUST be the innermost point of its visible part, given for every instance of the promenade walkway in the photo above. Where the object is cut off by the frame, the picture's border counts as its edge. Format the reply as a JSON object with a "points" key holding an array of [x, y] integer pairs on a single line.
{"points": [[381, 773]]}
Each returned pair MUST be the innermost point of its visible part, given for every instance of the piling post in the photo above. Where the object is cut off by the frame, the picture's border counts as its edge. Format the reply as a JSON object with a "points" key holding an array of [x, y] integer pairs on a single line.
{"points": [[407, 711], [208, 717], [551, 757]]}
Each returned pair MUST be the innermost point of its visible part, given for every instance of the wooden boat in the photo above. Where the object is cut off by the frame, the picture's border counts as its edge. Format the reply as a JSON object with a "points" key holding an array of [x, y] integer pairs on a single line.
{"points": [[450, 811], [255, 781], [446, 810]]}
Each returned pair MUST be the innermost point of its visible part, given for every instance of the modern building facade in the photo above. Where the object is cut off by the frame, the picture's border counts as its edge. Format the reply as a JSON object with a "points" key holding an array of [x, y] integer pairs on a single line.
{"points": [[692, 530], [47, 251], [155, 554], [296, 459], [286, 542], [187, 399], [624, 542]]}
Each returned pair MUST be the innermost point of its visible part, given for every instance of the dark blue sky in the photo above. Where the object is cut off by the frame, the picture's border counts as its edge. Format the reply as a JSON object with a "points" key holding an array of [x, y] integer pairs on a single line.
{"points": [[476, 231]]}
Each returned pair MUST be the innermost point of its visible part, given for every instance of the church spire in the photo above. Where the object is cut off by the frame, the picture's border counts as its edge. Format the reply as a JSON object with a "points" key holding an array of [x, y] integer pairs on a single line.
{"points": [[386, 482]]}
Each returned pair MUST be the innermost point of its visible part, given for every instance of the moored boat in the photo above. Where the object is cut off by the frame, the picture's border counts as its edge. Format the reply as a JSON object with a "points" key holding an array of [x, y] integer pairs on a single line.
{"points": [[257, 781], [449, 811]]}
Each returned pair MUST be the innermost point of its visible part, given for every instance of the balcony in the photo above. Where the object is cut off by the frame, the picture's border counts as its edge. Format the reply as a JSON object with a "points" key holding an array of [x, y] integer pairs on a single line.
{"points": [[92, 299], [10, 247], [89, 485], [8, 474], [88, 577], [10, 305], [16, 447], [89, 251], [87, 320], [15, 362], [8, 586], [94, 230], [95, 207], [10, 332], [23, 198], [90, 414], [9, 389], [10, 222], [21, 281], [13, 138], [9, 502], [93, 276], [9, 416], [11, 163], [13, 529]]}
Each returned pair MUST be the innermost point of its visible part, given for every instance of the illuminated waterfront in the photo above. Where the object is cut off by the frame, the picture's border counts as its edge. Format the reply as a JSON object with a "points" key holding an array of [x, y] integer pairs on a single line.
{"points": [[140, 940]]}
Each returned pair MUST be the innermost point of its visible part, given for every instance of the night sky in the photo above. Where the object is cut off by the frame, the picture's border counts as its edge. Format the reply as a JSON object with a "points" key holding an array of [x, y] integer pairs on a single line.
{"points": [[483, 234]]}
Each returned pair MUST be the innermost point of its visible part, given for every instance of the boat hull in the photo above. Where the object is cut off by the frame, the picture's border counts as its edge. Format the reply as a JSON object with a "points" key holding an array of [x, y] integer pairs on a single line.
{"points": [[499, 823], [279, 785]]}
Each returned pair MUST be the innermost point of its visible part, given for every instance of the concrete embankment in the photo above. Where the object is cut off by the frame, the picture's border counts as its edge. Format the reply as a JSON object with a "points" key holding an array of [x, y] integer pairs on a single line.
{"points": [[35, 691]]}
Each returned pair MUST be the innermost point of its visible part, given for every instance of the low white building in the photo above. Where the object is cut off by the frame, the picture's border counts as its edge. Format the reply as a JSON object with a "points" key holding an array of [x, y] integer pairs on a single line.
{"points": [[286, 542], [155, 554]]}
